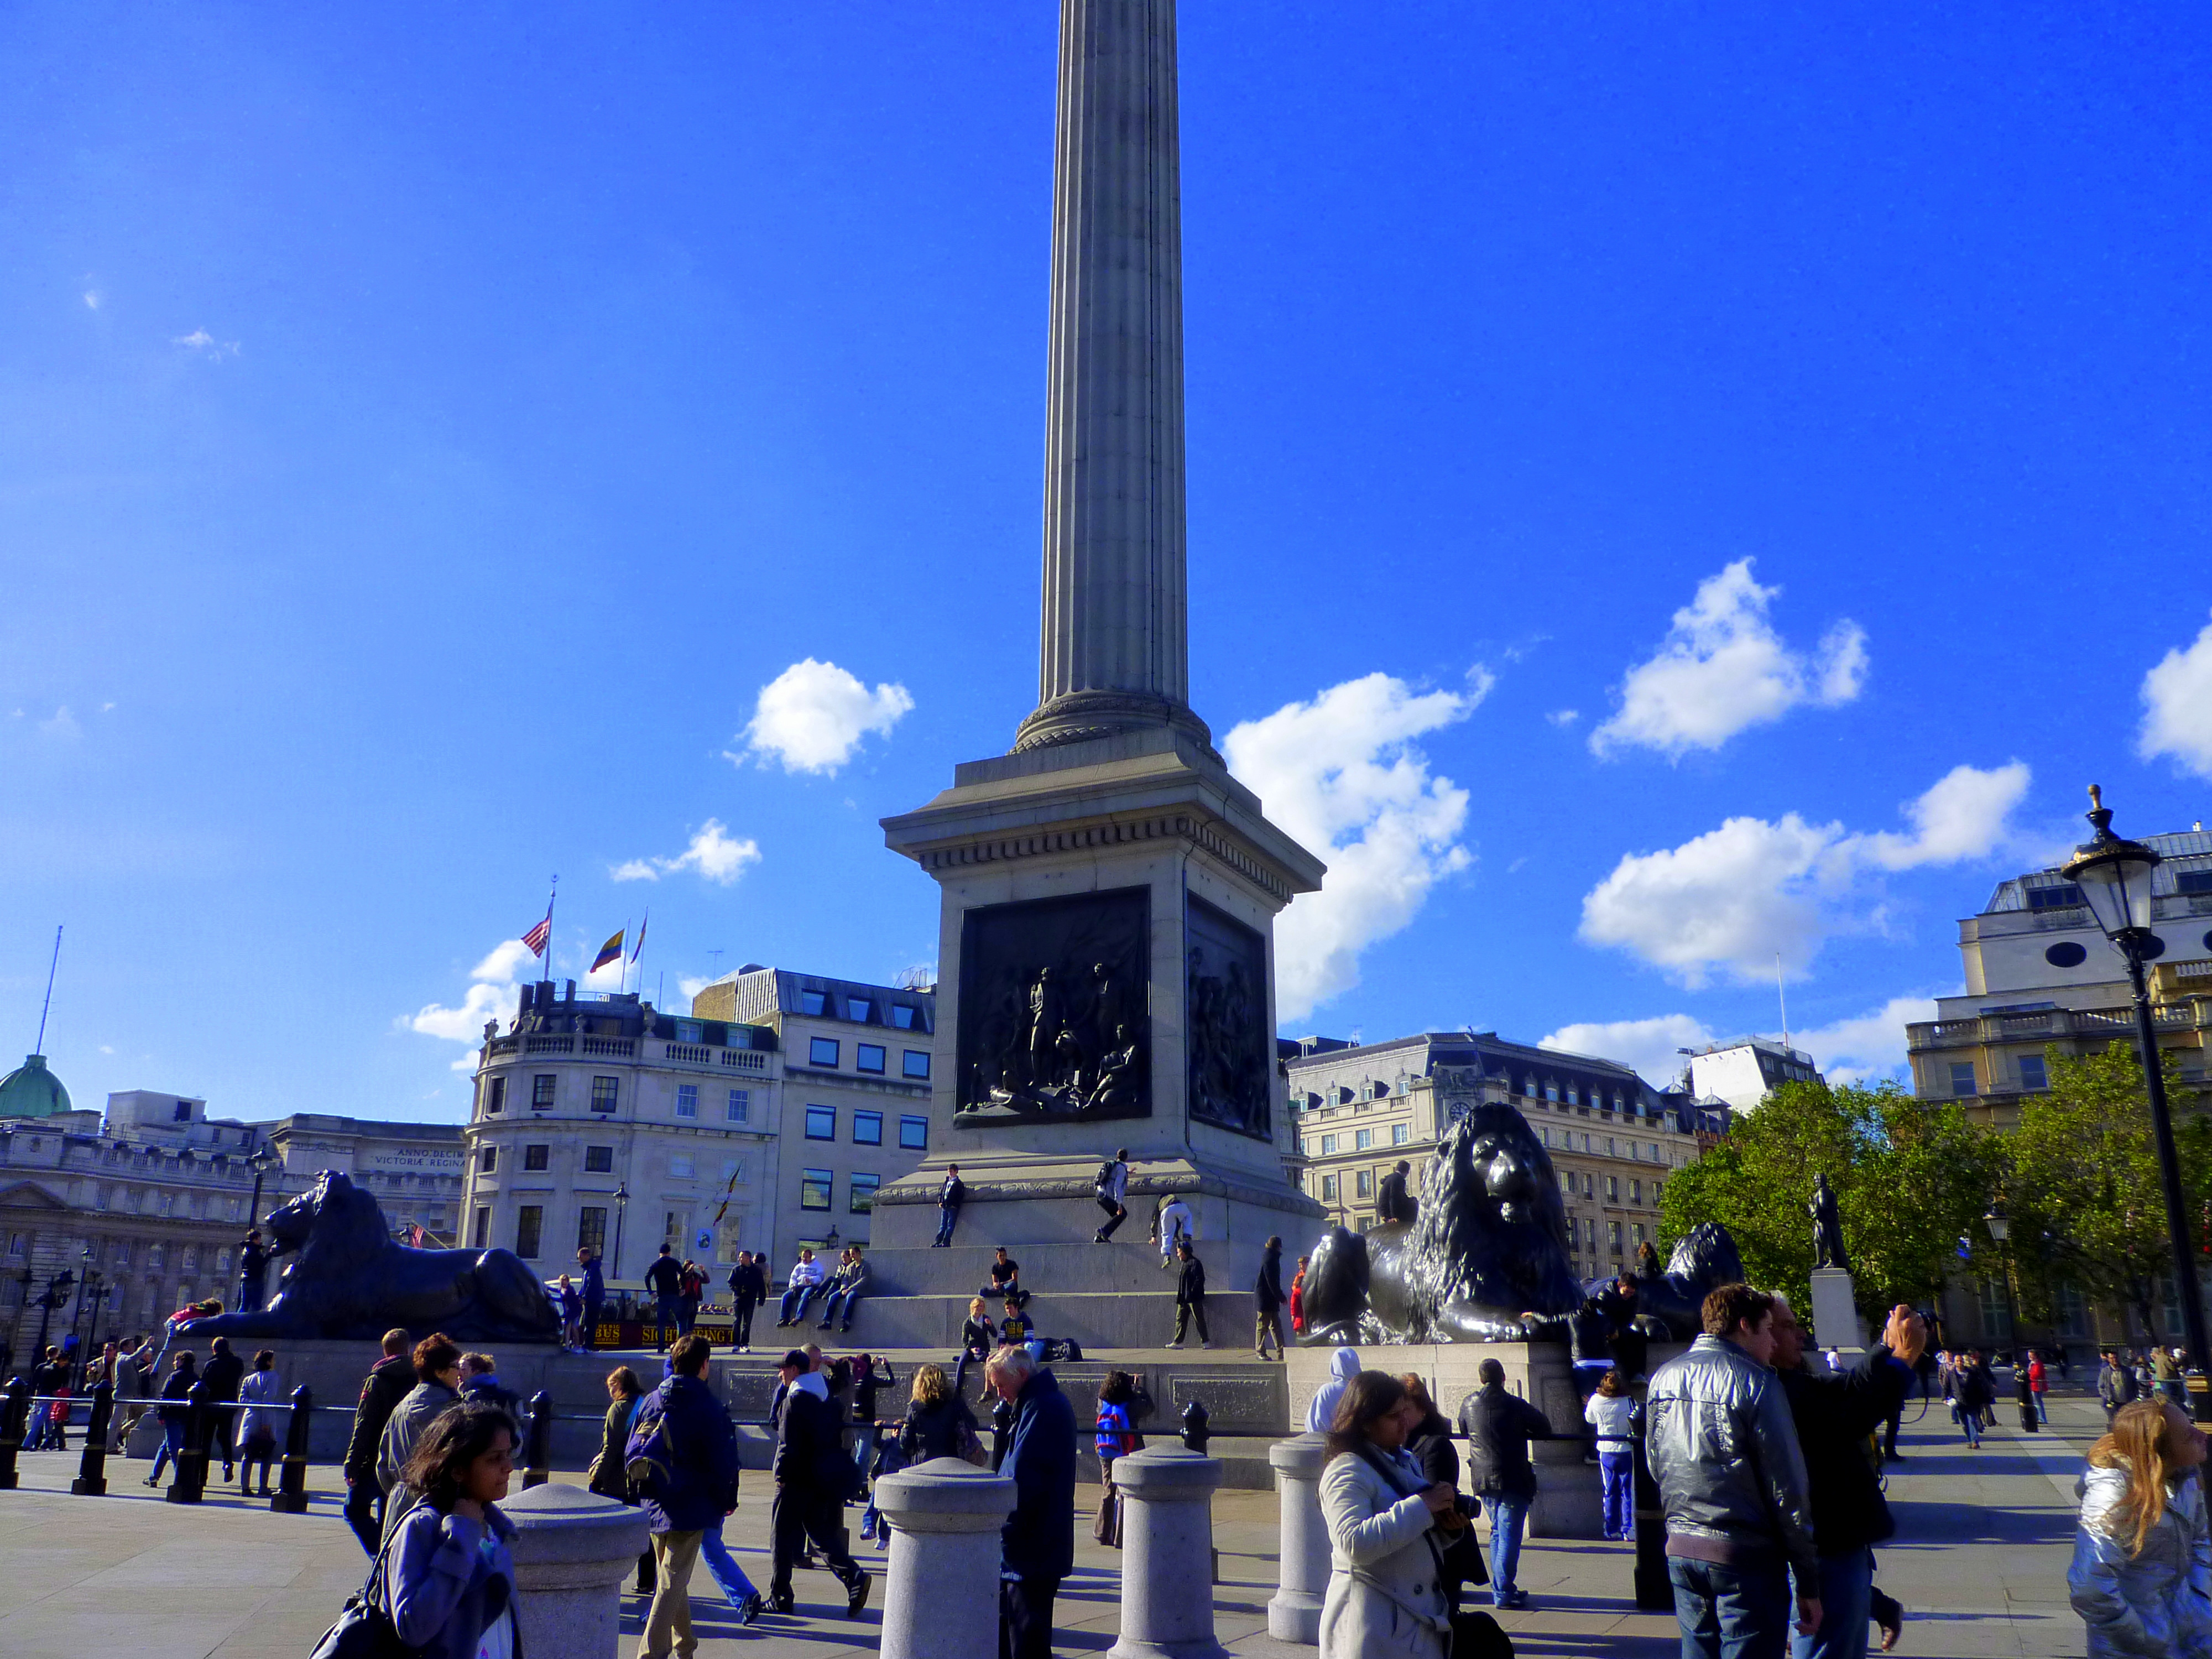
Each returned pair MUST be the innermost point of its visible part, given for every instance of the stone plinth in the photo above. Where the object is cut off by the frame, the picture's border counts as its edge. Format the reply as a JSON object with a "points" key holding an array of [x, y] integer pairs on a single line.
{"points": [[1294, 1611], [574, 1551], [942, 1599], [1835, 1310], [1167, 1554]]}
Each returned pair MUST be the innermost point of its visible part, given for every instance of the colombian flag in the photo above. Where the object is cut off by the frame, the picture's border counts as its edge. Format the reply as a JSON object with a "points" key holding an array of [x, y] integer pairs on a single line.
{"points": [[610, 952]]}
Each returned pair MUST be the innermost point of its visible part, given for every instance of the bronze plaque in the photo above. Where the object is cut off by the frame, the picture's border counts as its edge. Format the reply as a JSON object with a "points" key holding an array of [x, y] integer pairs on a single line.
{"points": [[1231, 1051]]}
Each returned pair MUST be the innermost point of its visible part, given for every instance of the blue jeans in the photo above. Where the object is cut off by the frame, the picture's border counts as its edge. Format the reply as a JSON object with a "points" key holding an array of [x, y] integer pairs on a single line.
{"points": [[722, 1567], [793, 1306], [839, 1309], [1508, 1519], [1734, 1613], [1846, 1603], [947, 1214], [1972, 1422], [173, 1448], [664, 1321], [1618, 1471]]}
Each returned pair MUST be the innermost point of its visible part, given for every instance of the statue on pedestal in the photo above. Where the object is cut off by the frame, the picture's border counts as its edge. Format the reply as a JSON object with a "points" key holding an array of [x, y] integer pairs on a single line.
{"points": [[1827, 1228]]}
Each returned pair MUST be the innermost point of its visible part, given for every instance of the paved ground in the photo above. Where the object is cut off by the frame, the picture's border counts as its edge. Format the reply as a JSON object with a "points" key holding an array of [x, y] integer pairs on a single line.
{"points": [[1980, 1561]]}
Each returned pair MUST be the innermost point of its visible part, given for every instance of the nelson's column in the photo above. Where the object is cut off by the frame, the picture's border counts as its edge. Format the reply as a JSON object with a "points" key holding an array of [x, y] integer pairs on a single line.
{"points": [[1105, 959]]}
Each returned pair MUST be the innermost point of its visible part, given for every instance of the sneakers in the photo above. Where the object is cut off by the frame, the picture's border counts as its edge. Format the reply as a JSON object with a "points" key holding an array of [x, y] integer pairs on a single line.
{"points": [[781, 1602], [1100, 1238], [1175, 1344], [856, 1596], [749, 1608], [1513, 1602], [1205, 1345]]}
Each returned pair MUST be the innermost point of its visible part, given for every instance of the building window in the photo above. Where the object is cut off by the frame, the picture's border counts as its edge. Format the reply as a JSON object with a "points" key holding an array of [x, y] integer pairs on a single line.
{"points": [[822, 1123], [1613, 1236], [529, 1228], [1962, 1077], [541, 1093], [487, 1159], [687, 1100], [1612, 1189], [1637, 1229], [741, 1105], [862, 1196], [856, 1009], [914, 1134], [605, 1091], [868, 1057], [1362, 1139], [1634, 1190], [1329, 1189], [914, 1063], [1567, 1183], [1398, 1134], [680, 1167], [2031, 1073], [814, 1189], [183, 1113], [598, 1160], [534, 1158], [813, 1002], [1551, 1091], [902, 1016], [2061, 897], [1363, 1183], [1590, 1190], [122, 1253], [822, 1051], [868, 1128], [591, 1228], [479, 1231], [1328, 1145], [495, 1095]]}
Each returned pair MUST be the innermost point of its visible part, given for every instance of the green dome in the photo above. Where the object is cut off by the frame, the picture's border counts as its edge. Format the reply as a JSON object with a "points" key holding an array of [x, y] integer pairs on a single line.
{"points": [[32, 1091]]}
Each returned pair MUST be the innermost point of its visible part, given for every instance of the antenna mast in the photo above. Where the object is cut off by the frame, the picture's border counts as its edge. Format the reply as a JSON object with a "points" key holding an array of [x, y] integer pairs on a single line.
{"points": [[48, 1005], [1781, 997]]}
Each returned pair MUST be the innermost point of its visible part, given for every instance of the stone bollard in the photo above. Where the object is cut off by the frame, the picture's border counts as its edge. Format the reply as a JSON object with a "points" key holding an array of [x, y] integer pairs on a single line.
{"points": [[14, 1418], [537, 1461], [1167, 1554], [1294, 1612], [574, 1551], [91, 1469], [189, 1483], [290, 1497], [942, 1598]]}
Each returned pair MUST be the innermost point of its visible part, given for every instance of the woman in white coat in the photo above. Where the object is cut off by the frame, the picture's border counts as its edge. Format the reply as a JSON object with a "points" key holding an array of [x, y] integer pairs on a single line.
{"points": [[1385, 1596]]}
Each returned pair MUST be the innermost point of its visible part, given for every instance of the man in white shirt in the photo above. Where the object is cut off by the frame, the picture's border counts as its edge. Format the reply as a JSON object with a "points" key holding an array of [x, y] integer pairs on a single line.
{"points": [[799, 1290], [1113, 1186], [1177, 1226]]}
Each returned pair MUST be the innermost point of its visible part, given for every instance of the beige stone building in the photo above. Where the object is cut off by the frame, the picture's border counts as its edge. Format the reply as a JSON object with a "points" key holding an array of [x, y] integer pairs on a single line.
{"points": [[1614, 1140]]}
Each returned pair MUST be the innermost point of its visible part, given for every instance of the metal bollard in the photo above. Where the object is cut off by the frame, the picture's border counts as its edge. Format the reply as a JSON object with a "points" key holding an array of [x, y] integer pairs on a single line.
{"points": [[14, 1414], [290, 1497], [537, 1462], [1194, 1434], [91, 1470], [191, 1483]]}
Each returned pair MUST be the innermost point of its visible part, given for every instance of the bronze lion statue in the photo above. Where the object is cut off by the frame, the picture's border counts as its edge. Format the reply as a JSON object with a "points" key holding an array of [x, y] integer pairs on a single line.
{"points": [[1702, 1259], [1487, 1244], [353, 1280]]}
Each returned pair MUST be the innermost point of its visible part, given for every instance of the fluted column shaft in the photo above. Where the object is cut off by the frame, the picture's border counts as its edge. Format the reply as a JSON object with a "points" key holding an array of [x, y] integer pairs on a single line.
{"points": [[1114, 610]]}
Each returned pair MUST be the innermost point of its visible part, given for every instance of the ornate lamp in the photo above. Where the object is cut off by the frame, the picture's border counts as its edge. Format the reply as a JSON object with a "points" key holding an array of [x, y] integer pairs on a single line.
{"points": [[2114, 875]]}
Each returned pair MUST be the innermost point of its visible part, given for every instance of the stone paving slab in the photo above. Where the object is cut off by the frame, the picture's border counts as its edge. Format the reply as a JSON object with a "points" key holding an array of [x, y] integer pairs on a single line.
{"points": [[1980, 1563]]}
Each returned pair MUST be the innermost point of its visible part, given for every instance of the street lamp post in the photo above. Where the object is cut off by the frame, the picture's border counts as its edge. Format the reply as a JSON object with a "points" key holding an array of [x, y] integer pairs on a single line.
{"points": [[2000, 1226], [2114, 875], [261, 1163], [622, 1209], [57, 1290]]}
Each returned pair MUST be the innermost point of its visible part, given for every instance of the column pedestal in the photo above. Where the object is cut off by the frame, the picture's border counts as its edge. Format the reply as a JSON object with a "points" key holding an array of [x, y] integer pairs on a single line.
{"points": [[572, 1551], [1835, 1310], [1294, 1611], [1167, 1554], [941, 1597]]}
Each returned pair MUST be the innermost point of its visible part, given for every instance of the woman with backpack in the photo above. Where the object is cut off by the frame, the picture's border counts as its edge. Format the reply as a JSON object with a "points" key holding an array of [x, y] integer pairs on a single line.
{"points": [[1116, 1437], [606, 1477]]}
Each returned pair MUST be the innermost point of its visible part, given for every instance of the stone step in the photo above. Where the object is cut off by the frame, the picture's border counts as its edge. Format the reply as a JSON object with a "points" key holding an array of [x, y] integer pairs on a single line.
{"points": [[1134, 1318], [1127, 1263]]}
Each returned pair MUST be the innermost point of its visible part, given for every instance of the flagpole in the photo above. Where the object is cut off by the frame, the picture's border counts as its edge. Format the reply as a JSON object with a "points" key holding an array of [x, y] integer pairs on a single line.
{"points": [[549, 898], [48, 1005]]}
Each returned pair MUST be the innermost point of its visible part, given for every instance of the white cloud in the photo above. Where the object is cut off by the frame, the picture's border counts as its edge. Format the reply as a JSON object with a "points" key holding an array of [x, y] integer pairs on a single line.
{"points": [[812, 716], [1723, 668], [2178, 707], [1563, 717], [712, 853], [691, 986], [204, 344], [92, 299], [1736, 897], [492, 994], [1650, 1046], [63, 726], [1867, 1047], [1341, 776]]}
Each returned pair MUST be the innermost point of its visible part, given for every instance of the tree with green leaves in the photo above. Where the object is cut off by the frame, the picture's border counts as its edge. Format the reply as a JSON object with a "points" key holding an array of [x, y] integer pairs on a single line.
{"points": [[1909, 1176], [2081, 1186]]}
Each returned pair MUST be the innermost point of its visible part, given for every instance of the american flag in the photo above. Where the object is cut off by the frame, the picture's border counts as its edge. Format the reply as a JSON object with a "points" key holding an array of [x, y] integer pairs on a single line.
{"points": [[537, 937]]}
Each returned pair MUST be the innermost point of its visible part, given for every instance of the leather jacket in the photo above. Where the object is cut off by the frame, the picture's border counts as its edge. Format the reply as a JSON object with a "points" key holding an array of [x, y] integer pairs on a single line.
{"points": [[1724, 1451]]}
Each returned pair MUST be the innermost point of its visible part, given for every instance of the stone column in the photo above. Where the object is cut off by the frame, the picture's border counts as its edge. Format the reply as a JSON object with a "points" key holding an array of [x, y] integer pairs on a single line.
{"points": [[1167, 1554], [1114, 652], [1294, 1612], [942, 1598], [574, 1551]]}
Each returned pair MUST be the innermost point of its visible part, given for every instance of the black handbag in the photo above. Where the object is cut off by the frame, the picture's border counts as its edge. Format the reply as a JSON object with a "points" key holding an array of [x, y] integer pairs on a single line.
{"points": [[364, 1629]]}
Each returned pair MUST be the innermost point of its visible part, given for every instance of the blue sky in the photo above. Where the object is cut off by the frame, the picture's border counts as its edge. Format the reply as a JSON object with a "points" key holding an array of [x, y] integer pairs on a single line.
{"points": [[1635, 458]]}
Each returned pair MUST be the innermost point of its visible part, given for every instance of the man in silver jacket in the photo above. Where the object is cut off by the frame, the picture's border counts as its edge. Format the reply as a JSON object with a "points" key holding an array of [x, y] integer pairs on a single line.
{"points": [[1723, 1449]]}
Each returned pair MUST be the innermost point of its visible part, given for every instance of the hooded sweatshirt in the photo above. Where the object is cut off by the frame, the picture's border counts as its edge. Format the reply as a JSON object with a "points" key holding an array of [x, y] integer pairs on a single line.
{"points": [[1343, 1366]]}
